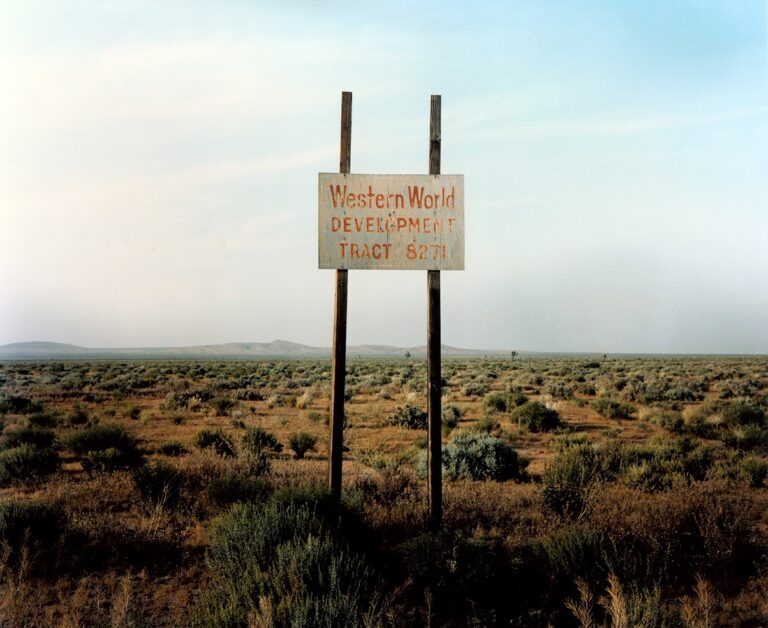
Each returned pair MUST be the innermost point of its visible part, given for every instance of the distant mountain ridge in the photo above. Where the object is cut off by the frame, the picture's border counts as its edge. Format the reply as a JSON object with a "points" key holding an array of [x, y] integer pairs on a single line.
{"points": [[233, 350]]}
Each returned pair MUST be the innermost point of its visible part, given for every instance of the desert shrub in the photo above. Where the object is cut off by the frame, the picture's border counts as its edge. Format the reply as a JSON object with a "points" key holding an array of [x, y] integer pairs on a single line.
{"points": [[559, 391], [42, 419], [668, 420], [158, 483], [451, 415], [257, 440], [741, 413], [316, 417], [564, 441], [469, 579], [301, 443], [15, 404], [754, 471], [668, 537], [587, 389], [474, 456], [172, 448], [78, 416], [495, 402], [215, 440], [233, 488], [655, 474], [388, 487], [574, 552], [745, 437], [25, 463], [749, 470], [516, 398], [36, 525], [663, 464], [612, 409], [486, 425], [221, 405], [99, 438], [278, 563], [535, 417], [35, 436], [109, 459], [474, 389], [567, 481], [410, 417]]}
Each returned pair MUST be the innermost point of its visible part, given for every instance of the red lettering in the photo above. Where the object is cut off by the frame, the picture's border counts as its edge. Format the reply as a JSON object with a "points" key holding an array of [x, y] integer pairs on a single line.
{"points": [[338, 195]]}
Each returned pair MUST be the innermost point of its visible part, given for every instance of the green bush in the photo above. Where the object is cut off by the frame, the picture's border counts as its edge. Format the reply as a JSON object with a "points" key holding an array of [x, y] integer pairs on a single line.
{"points": [[221, 405], [474, 456], [257, 440], [612, 409], [495, 402], [410, 417], [474, 389], [451, 415], [277, 564], [740, 413], [669, 420], [655, 474], [485, 425], [25, 463], [159, 484], [535, 417], [745, 437], [37, 525], [99, 438], [568, 479], [109, 459], [216, 440], [37, 437], [301, 443], [516, 398], [19, 405]]}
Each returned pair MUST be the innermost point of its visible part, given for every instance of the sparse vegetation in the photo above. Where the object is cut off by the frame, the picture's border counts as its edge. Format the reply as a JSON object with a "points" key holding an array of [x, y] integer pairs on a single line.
{"points": [[535, 417], [215, 440], [301, 443], [410, 417], [257, 440], [550, 493]]}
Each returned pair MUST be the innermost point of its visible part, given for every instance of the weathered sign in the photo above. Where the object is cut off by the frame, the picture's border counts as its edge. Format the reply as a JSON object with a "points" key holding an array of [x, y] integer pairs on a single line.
{"points": [[391, 222]]}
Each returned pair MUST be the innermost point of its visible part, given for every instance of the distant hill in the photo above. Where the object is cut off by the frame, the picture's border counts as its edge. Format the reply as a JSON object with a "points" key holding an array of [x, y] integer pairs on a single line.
{"points": [[234, 350]]}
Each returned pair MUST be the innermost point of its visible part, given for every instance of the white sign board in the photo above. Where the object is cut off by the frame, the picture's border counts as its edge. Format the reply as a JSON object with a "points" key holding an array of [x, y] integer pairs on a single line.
{"points": [[391, 222]]}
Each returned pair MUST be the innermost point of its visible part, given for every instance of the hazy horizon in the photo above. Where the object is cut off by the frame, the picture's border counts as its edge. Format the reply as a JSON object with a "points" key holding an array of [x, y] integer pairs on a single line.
{"points": [[158, 171]]}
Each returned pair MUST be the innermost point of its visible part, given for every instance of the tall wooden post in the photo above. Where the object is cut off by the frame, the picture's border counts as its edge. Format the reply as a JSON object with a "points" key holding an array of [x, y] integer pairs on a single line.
{"points": [[339, 356], [433, 348]]}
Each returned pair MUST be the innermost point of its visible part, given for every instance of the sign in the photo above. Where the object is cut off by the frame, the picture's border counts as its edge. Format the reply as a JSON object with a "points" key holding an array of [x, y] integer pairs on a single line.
{"points": [[391, 222]]}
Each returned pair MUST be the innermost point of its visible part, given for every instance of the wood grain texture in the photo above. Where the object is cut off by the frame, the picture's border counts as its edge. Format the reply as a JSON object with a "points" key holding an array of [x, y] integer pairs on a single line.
{"points": [[339, 350], [434, 366]]}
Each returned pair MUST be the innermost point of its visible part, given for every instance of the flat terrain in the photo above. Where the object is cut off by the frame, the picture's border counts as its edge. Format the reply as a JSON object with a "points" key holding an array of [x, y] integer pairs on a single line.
{"points": [[641, 448]]}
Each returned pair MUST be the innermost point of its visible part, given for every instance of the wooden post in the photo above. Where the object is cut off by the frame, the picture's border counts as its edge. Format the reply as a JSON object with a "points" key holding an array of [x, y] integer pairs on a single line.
{"points": [[435, 452], [339, 355]]}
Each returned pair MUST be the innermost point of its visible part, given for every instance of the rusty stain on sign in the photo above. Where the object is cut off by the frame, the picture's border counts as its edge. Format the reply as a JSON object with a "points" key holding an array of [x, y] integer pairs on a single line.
{"points": [[391, 222]]}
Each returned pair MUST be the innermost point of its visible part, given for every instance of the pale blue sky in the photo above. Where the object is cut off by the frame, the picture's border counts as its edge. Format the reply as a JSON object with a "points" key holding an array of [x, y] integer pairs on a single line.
{"points": [[158, 166]]}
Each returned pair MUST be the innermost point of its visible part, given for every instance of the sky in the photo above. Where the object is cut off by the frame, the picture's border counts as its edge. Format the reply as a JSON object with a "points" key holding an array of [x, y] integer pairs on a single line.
{"points": [[159, 160]]}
